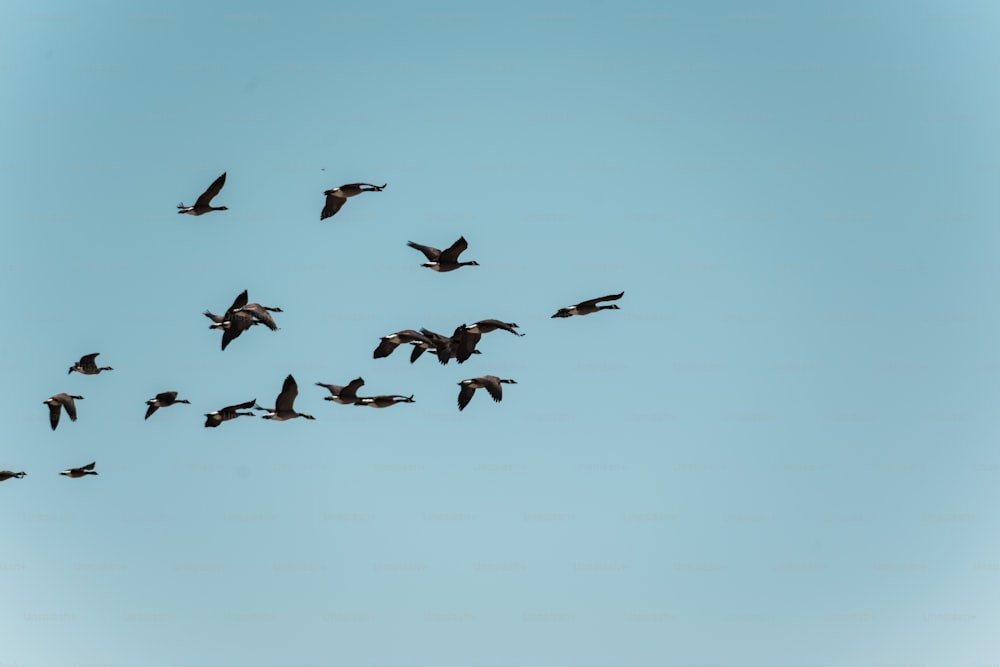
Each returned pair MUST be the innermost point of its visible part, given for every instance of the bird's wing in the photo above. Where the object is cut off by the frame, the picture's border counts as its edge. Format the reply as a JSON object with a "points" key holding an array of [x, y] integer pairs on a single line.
{"points": [[432, 254], [285, 400], [242, 406], [333, 204], [89, 466], [492, 385], [88, 359], [166, 396], [70, 406], [54, 415], [206, 197], [351, 390], [453, 251], [240, 301], [384, 349], [465, 395], [151, 409], [593, 302], [262, 315]]}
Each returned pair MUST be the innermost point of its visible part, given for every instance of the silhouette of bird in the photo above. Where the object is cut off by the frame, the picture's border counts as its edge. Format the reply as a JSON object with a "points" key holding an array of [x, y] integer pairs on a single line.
{"points": [[163, 400], [283, 409], [444, 260], [204, 203], [87, 366], [336, 197], [390, 342], [384, 401], [57, 403], [344, 395], [82, 471], [589, 306], [7, 474], [235, 321], [491, 383], [213, 419]]}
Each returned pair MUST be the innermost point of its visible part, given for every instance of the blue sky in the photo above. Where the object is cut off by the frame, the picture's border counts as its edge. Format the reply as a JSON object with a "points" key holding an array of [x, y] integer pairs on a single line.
{"points": [[780, 451]]}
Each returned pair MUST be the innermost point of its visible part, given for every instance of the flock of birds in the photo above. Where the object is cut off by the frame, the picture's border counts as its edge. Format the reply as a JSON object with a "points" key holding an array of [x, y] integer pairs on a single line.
{"points": [[242, 315]]}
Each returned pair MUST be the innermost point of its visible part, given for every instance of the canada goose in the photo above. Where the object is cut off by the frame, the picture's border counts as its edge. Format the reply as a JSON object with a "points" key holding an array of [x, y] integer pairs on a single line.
{"points": [[7, 474], [444, 347], [204, 203], [162, 400], [261, 314], [384, 401], [283, 409], [344, 395], [589, 306], [444, 260], [336, 197], [486, 326], [82, 471], [235, 321], [391, 341], [491, 383], [213, 419], [59, 401], [86, 365]]}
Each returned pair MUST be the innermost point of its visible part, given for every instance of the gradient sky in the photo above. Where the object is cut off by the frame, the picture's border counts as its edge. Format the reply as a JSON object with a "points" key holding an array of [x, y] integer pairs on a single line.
{"points": [[781, 451]]}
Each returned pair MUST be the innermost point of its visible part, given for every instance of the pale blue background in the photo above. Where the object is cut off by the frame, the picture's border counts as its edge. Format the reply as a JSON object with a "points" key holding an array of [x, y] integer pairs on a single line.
{"points": [[781, 451]]}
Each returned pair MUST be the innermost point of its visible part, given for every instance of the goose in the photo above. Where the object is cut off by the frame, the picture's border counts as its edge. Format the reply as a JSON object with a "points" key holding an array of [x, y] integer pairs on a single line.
{"points": [[59, 401], [283, 409], [7, 474], [87, 366], [390, 342], [344, 395], [82, 471], [261, 314], [444, 260], [491, 383], [444, 347], [486, 326], [163, 400], [384, 400], [234, 322], [204, 203], [589, 306], [336, 197], [213, 419]]}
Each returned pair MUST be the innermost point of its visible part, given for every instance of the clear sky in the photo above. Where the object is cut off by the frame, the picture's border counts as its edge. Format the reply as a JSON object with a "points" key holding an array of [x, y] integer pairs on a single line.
{"points": [[781, 451]]}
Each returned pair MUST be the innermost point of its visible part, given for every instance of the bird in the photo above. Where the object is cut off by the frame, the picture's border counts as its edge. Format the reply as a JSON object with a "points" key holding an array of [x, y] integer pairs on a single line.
{"points": [[7, 474], [59, 401], [235, 321], [87, 366], [391, 341], [82, 471], [486, 326], [443, 346], [283, 409], [336, 197], [162, 400], [444, 260], [589, 306], [261, 314], [344, 395], [491, 383], [384, 400], [213, 419], [204, 203]]}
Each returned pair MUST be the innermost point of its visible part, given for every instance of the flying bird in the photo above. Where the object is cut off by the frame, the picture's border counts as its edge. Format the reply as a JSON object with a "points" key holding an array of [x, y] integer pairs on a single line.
{"points": [[82, 471], [283, 409], [236, 320], [491, 383], [589, 306], [336, 197], [261, 314], [384, 400], [213, 419], [390, 342], [163, 400], [204, 203], [57, 403], [7, 474], [443, 260], [87, 366], [344, 395]]}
